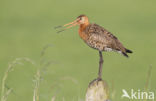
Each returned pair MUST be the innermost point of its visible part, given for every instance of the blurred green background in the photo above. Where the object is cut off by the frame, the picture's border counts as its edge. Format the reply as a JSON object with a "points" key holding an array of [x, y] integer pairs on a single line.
{"points": [[26, 26]]}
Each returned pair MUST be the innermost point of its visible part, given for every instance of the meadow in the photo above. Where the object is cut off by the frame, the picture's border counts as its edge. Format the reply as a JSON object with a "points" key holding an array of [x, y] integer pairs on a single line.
{"points": [[68, 64]]}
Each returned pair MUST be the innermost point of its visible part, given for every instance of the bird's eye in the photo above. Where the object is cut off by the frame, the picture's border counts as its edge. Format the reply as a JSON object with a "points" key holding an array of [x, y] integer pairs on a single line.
{"points": [[80, 18]]}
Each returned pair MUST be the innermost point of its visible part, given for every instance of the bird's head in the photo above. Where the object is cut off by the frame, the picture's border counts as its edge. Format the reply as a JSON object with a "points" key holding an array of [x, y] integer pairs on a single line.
{"points": [[80, 20]]}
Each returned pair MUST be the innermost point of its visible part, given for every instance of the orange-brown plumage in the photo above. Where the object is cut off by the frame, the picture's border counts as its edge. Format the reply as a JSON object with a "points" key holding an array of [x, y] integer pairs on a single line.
{"points": [[82, 34], [82, 27]]}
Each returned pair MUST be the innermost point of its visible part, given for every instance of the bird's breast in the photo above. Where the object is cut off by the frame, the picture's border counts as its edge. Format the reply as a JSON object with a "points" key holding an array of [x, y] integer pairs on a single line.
{"points": [[83, 35]]}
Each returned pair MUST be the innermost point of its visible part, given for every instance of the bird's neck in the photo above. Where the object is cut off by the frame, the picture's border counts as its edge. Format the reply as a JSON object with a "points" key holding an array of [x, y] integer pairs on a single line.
{"points": [[82, 31], [83, 26]]}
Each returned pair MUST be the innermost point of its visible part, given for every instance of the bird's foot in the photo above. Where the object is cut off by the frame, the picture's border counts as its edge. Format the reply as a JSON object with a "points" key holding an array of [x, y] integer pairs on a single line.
{"points": [[92, 82], [96, 81], [99, 79]]}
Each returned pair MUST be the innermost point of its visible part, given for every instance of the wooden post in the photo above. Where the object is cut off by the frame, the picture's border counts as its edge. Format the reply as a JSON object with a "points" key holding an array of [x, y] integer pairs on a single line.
{"points": [[97, 91]]}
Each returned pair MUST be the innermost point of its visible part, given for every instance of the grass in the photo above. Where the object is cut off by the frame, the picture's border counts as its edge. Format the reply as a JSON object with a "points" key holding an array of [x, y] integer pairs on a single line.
{"points": [[37, 77], [4, 90], [27, 26], [37, 80], [37, 84]]}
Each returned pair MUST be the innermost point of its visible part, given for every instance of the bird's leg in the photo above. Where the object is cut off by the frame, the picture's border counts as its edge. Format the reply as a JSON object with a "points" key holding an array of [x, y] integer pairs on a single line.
{"points": [[100, 66]]}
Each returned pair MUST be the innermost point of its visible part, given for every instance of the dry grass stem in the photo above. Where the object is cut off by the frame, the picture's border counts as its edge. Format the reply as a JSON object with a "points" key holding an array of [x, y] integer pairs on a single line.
{"points": [[6, 92], [37, 84], [53, 98], [148, 80]]}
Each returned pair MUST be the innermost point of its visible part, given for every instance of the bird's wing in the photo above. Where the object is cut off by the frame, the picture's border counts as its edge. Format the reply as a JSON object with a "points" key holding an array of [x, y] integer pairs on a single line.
{"points": [[105, 37]]}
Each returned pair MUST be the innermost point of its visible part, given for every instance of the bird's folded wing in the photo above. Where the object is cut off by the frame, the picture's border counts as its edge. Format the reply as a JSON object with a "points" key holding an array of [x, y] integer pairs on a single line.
{"points": [[101, 35]]}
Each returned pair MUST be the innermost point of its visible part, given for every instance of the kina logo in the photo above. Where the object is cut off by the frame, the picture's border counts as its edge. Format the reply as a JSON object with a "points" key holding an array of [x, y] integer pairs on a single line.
{"points": [[138, 95]]}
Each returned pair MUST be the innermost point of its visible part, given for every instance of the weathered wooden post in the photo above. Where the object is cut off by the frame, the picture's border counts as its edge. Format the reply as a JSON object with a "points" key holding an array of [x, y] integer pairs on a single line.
{"points": [[97, 91]]}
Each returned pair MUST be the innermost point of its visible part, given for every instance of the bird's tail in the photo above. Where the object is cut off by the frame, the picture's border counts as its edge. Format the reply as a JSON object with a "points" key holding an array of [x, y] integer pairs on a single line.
{"points": [[127, 51]]}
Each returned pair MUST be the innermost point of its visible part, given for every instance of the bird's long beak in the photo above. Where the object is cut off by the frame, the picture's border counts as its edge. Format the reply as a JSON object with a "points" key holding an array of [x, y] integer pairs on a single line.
{"points": [[67, 26]]}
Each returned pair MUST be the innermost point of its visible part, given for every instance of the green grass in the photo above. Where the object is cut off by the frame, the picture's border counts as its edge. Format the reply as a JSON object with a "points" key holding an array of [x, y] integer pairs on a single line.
{"points": [[26, 26]]}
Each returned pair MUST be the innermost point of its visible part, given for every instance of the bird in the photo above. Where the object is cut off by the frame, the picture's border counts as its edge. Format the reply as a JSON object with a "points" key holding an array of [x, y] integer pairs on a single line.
{"points": [[96, 37]]}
